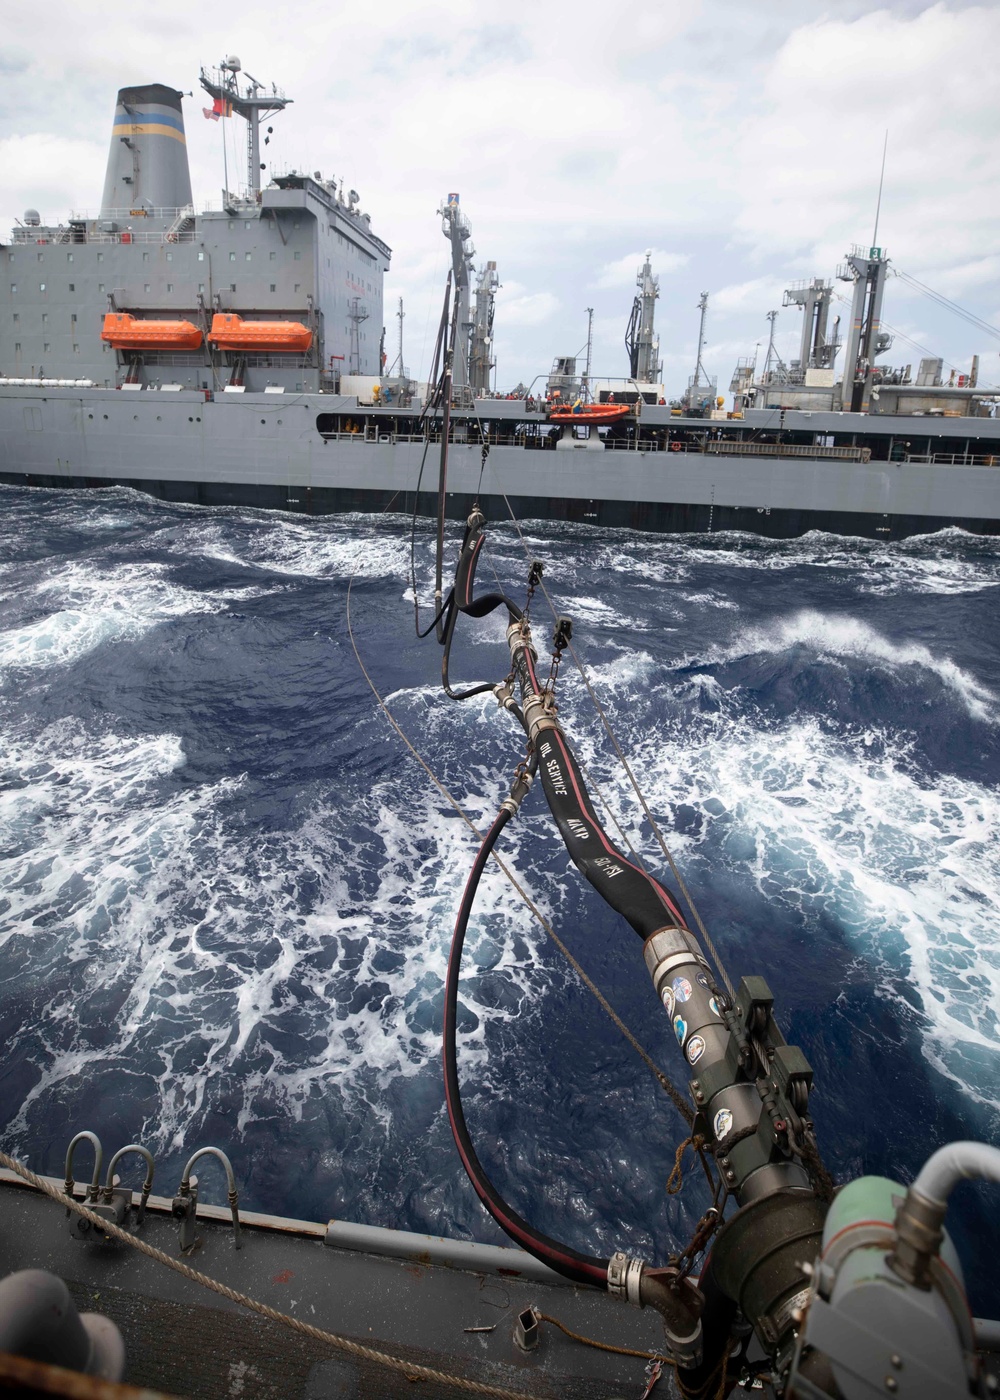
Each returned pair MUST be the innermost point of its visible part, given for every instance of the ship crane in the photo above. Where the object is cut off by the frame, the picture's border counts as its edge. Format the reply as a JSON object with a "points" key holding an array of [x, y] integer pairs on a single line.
{"points": [[642, 344], [457, 229], [481, 358], [816, 350]]}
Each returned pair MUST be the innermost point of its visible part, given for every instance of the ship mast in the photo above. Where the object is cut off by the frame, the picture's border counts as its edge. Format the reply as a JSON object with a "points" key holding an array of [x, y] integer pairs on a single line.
{"points": [[253, 104], [699, 368], [590, 347], [640, 341], [457, 229]]}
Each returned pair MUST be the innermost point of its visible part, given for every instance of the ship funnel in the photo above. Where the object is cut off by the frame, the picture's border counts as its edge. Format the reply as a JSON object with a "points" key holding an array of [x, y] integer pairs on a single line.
{"points": [[147, 161]]}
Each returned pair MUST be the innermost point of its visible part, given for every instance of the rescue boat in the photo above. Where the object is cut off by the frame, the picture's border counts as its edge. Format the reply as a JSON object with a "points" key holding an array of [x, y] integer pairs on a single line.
{"points": [[590, 413], [231, 332], [126, 332]]}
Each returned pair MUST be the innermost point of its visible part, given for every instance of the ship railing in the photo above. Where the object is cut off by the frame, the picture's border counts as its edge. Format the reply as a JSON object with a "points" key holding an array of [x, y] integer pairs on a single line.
{"points": [[126, 236], [955, 459]]}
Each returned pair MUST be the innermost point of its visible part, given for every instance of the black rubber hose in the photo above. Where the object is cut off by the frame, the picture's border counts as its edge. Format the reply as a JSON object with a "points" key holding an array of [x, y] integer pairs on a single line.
{"points": [[640, 899], [462, 601], [580, 1268]]}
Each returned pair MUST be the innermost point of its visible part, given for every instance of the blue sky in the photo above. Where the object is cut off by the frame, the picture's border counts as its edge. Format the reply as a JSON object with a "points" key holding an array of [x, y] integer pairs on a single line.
{"points": [[742, 143]]}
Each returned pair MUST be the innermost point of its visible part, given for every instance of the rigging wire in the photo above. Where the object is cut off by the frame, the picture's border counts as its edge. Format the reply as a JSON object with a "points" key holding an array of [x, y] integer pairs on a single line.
{"points": [[674, 1094], [948, 304], [685, 892], [681, 884]]}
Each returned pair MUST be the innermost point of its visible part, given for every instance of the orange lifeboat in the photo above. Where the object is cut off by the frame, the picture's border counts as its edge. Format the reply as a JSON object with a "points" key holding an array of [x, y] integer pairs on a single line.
{"points": [[126, 332], [231, 332], [591, 413]]}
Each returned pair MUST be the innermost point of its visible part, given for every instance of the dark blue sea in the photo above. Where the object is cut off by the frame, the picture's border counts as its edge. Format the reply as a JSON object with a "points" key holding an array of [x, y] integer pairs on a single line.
{"points": [[227, 889]]}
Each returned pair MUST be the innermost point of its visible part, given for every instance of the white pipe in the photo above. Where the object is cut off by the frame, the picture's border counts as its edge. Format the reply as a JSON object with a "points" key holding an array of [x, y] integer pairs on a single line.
{"points": [[950, 1164]]}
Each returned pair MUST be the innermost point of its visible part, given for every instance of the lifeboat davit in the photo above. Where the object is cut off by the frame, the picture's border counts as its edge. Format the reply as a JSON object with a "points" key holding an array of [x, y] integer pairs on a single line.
{"points": [[126, 332], [590, 413], [231, 332]]}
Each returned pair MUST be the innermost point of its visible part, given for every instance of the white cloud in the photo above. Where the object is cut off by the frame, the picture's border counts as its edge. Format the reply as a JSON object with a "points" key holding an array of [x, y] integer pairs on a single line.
{"points": [[624, 271], [760, 294], [745, 153], [528, 309]]}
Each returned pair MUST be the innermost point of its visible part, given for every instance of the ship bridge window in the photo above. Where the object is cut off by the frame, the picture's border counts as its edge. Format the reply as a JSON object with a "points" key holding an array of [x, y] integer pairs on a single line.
{"points": [[16, 317], [248, 256], [232, 257], [72, 287], [272, 256], [297, 256], [100, 288], [72, 316], [298, 286], [170, 286], [145, 257], [170, 257], [41, 286], [274, 286], [13, 286], [41, 257], [232, 286], [45, 318], [100, 257], [247, 224], [201, 286], [201, 255], [69, 257], [145, 286]]}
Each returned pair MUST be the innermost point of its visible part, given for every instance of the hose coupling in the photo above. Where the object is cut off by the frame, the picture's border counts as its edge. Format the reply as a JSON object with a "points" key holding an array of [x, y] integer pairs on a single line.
{"points": [[504, 694], [919, 1232], [624, 1277], [519, 789], [538, 716]]}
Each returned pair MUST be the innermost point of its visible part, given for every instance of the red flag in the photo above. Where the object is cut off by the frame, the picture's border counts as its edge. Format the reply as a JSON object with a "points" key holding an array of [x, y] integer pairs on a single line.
{"points": [[222, 108], [210, 114]]}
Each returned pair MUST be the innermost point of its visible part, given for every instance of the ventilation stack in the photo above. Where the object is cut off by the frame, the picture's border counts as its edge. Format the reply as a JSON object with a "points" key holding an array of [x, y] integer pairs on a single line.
{"points": [[147, 161]]}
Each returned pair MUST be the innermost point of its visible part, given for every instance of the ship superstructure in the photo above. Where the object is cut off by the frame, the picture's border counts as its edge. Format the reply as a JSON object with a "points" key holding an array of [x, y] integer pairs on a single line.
{"points": [[250, 335], [297, 251]]}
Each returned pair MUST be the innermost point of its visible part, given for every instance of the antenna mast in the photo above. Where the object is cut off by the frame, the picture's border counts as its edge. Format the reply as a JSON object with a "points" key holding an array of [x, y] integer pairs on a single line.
{"points": [[699, 369], [223, 86], [590, 346], [881, 180]]}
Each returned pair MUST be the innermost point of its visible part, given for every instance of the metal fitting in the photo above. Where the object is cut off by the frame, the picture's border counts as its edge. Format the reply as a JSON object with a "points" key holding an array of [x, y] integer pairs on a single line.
{"points": [[526, 1331], [919, 1232], [624, 1278], [538, 717]]}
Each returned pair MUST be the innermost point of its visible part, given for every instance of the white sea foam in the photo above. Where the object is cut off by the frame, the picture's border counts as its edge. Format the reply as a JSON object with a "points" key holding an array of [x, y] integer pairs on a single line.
{"points": [[98, 607], [191, 929], [845, 637], [844, 828], [343, 547]]}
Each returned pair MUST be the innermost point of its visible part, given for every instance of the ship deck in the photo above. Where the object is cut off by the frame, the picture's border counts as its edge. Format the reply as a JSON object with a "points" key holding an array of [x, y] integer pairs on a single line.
{"points": [[185, 1341]]}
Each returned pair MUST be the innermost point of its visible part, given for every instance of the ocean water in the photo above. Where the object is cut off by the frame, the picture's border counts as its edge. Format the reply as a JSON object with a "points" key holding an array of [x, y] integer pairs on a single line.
{"points": [[227, 889]]}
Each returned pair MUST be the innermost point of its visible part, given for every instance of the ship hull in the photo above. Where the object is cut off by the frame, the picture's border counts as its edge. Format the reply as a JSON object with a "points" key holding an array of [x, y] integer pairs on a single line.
{"points": [[269, 451]]}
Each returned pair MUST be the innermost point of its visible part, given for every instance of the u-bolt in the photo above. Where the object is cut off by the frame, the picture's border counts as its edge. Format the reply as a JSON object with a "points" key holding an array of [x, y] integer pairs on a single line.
{"points": [[147, 1185], [233, 1194], [93, 1190]]}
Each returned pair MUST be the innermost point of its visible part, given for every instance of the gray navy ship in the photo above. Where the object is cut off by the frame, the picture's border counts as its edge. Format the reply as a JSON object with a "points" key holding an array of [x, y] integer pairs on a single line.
{"points": [[235, 355]]}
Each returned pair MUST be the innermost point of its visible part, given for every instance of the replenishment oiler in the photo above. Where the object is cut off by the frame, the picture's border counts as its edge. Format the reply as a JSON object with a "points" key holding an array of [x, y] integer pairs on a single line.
{"points": [[236, 356]]}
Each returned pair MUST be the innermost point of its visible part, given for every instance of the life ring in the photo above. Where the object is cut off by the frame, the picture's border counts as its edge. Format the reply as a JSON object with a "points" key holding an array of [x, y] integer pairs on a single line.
{"points": [[675, 447]]}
